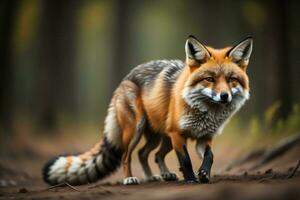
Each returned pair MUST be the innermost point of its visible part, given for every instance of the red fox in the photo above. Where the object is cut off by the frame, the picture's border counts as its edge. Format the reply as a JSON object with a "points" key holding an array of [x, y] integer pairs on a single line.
{"points": [[167, 102]]}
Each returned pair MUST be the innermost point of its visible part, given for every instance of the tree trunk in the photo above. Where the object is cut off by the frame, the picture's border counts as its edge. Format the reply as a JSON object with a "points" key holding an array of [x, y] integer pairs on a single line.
{"points": [[120, 42], [278, 66], [56, 69], [7, 20]]}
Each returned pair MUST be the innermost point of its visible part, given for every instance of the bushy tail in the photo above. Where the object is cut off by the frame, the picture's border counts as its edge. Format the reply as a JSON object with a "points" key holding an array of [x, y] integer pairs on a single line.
{"points": [[97, 163]]}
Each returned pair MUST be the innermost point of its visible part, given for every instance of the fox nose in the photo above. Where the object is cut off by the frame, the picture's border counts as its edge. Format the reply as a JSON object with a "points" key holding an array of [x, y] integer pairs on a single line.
{"points": [[224, 96]]}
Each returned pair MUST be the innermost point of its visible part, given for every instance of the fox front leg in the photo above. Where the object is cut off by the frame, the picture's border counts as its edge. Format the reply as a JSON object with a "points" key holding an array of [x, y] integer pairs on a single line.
{"points": [[203, 148], [179, 145]]}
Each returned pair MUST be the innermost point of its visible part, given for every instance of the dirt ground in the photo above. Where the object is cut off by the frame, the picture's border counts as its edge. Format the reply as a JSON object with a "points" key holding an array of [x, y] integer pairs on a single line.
{"points": [[20, 178]]}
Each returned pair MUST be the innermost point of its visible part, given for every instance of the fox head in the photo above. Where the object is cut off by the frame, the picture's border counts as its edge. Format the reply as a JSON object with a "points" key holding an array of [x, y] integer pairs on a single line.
{"points": [[216, 76]]}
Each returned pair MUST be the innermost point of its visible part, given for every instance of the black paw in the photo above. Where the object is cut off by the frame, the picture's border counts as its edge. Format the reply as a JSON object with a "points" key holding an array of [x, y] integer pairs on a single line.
{"points": [[203, 176]]}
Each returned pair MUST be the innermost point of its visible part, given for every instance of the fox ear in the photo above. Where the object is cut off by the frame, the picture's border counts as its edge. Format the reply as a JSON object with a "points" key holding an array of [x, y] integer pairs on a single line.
{"points": [[196, 53], [241, 52]]}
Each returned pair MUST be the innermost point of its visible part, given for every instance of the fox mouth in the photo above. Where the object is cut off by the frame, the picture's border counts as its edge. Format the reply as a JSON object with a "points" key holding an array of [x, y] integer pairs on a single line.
{"points": [[221, 102], [210, 101]]}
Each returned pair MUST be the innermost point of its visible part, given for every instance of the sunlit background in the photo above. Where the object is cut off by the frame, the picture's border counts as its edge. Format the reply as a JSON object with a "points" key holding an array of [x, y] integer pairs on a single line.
{"points": [[62, 59]]}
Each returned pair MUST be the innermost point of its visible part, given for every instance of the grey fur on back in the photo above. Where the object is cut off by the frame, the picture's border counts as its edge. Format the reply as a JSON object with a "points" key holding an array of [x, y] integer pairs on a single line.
{"points": [[145, 74]]}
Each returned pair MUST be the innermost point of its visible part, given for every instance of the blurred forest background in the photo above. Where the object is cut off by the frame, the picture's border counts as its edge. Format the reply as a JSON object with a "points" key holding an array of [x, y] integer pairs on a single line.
{"points": [[61, 59]]}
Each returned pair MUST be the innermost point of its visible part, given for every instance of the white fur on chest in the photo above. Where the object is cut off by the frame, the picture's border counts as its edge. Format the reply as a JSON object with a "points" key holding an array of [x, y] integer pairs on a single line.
{"points": [[196, 123]]}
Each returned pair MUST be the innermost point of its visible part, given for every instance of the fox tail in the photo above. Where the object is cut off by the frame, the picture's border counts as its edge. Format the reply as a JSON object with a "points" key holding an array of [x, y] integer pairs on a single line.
{"points": [[100, 161]]}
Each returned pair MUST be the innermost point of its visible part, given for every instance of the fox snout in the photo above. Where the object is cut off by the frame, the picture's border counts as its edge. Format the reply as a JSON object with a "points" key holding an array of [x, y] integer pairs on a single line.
{"points": [[220, 97], [224, 96]]}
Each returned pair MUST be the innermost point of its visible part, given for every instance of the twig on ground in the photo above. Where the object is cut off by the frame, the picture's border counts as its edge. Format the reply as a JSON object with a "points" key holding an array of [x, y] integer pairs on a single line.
{"points": [[72, 187], [267, 178], [63, 184], [292, 174], [55, 186]]}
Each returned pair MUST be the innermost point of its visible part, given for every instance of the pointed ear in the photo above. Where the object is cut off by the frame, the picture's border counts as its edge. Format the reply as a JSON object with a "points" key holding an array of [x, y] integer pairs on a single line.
{"points": [[241, 52], [196, 53]]}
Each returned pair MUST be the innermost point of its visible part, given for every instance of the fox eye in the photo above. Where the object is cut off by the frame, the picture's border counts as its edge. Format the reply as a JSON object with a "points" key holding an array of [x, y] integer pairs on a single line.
{"points": [[232, 79], [209, 79]]}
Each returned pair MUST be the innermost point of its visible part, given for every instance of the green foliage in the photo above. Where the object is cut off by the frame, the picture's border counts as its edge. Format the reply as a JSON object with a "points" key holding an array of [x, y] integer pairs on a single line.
{"points": [[270, 114], [254, 13], [263, 130], [279, 126], [255, 127], [291, 124]]}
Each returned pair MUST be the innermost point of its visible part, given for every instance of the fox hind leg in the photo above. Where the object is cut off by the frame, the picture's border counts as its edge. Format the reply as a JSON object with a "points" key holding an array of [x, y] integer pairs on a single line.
{"points": [[132, 121], [165, 148], [130, 144], [129, 179], [152, 141]]}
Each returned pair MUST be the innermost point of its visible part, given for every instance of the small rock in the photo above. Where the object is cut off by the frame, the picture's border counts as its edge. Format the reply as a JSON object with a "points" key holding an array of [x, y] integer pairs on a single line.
{"points": [[23, 190], [269, 171], [107, 183]]}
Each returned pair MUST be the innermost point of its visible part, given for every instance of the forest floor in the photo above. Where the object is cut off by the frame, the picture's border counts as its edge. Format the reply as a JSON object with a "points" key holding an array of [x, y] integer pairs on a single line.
{"points": [[21, 162]]}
